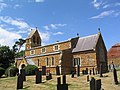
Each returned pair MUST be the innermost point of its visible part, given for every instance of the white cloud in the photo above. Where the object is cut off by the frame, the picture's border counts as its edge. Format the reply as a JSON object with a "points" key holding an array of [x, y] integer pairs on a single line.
{"points": [[117, 4], [2, 6], [58, 33], [53, 26], [8, 38], [17, 6], [40, 1], [19, 23], [103, 14], [97, 4], [106, 6]]}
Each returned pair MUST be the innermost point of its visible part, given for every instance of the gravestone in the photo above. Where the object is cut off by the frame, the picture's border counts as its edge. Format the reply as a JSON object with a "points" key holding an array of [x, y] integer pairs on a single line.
{"points": [[22, 72], [49, 76], [38, 76], [115, 76], [78, 70], [64, 79], [98, 84], [87, 78], [101, 70], [93, 71], [92, 84], [63, 86], [20, 82], [90, 72], [43, 70], [72, 75], [57, 70], [86, 71]]}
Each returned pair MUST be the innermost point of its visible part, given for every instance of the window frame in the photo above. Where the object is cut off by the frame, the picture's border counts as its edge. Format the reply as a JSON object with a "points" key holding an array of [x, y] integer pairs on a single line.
{"points": [[43, 50]]}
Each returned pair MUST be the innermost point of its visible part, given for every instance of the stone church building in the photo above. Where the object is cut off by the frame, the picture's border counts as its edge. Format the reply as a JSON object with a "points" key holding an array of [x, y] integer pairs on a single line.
{"points": [[88, 52]]}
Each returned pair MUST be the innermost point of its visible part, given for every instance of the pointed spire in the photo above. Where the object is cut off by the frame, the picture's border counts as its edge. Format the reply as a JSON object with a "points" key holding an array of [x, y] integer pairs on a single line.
{"points": [[36, 28]]}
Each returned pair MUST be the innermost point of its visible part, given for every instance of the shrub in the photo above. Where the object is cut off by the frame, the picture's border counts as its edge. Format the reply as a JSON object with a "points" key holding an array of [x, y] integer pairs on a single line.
{"points": [[30, 69], [11, 71], [2, 71]]}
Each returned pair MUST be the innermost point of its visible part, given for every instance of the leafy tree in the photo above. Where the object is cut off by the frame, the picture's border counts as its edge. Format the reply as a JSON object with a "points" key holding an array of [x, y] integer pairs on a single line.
{"points": [[6, 56], [19, 54], [18, 44]]}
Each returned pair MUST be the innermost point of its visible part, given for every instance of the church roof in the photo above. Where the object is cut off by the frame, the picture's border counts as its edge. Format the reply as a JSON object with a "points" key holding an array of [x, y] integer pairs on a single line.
{"points": [[86, 43], [31, 33], [114, 51]]}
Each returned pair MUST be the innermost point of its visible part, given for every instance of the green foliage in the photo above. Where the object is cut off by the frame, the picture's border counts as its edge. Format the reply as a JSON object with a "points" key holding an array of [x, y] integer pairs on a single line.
{"points": [[30, 69], [13, 72], [6, 56], [2, 71], [20, 54]]}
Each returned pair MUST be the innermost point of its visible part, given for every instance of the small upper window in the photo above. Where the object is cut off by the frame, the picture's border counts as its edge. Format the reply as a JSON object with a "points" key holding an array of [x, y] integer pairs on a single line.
{"points": [[56, 47], [43, 50], [32, 52]]}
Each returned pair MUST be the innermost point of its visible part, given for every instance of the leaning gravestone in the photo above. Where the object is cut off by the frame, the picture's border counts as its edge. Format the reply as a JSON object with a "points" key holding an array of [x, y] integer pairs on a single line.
{"points": [[92, 84], [20, 82], [57, 70], [43, 70], [78, 70], [38, 76], [115, 76]]}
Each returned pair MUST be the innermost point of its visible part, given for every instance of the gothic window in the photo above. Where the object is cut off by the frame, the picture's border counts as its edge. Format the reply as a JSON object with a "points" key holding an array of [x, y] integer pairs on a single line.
{"points": [[47, 62], [52, 61], [32, 52], [76, 61], [37, 40]]}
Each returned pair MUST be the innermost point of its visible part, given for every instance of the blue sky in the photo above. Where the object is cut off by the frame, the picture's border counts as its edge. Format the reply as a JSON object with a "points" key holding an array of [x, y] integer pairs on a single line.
{"points": [[59, 20]]}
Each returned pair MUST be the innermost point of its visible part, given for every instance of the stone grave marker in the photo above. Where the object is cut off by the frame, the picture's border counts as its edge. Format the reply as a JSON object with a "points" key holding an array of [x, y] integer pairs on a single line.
{"points": [[115, 76], [43, 70], [92, 84], [57, 70], [98, 84], [22, 72], [78, 70], [19, 82], [38, 76]]}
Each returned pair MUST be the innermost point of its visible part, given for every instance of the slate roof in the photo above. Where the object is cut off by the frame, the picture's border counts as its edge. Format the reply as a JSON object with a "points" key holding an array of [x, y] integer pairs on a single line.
{"points": [[86, 43], [31, 33]]}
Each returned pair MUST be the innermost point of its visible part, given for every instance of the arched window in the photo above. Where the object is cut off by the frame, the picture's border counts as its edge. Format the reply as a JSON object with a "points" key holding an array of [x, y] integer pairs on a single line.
{"points": [[47, 62], [52, 61]]}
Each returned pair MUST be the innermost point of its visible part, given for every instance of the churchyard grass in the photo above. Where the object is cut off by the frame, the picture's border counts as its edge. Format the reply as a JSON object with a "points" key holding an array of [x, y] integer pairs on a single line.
{"points": [[76, 83]]}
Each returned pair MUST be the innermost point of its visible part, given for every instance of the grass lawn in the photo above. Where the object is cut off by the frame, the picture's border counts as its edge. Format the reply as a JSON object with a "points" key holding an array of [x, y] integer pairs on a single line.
{"points": [[77, 83]]}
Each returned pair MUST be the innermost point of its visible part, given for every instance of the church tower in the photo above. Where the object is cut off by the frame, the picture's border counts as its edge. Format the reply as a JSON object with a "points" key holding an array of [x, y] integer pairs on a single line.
{"points": [[33, 39]]}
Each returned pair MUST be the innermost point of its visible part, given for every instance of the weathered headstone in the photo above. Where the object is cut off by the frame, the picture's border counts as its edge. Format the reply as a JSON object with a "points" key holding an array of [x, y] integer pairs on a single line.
{"points": [[38, 76], [20, 82], [78, 70], [90, 72], [57, 70], [115, 76], [87, 78], [43, 70], [72, 75], [101, 70], [22, 72], [64, 79], [92, 84], [98, 84], [93, 71], [63, 86], [86, 71]]}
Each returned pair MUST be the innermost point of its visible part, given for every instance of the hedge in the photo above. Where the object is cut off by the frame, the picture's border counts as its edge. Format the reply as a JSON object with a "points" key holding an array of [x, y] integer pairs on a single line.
{"points": [[2, 71]]}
